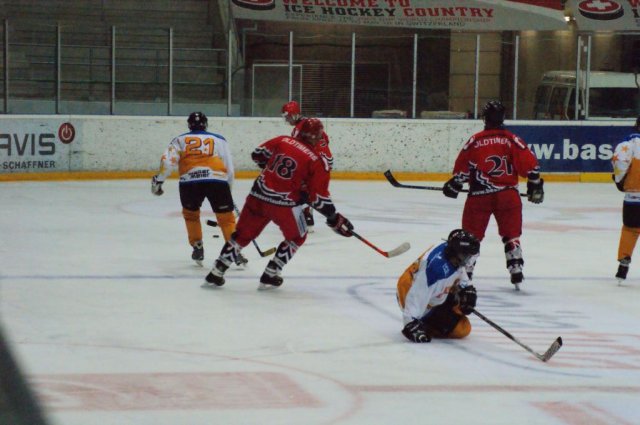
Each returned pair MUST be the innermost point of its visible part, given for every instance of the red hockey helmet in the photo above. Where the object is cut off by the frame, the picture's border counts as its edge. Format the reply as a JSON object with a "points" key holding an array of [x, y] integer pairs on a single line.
{"points": [[291, 112], [311, 130]]}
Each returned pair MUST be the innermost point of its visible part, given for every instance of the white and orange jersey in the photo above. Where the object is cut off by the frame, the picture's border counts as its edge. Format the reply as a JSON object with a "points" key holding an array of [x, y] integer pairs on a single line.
{"points": [[426, 283], [626, 165], [199, 156]]}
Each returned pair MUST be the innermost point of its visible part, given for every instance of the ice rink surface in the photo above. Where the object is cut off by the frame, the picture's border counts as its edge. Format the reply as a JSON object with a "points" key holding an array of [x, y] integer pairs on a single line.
{"points": [[104, 310]]}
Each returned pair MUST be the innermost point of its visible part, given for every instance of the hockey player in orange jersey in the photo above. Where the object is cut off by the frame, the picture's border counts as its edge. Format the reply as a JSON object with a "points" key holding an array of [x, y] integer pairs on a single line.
{"points": [[435, 294], [626, 175], [206, 171]]}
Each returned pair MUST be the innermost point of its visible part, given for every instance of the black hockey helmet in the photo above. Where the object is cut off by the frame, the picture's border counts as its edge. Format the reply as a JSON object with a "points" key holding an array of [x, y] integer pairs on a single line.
{"points": [[461, 245], [493, 114], [197, 121]]}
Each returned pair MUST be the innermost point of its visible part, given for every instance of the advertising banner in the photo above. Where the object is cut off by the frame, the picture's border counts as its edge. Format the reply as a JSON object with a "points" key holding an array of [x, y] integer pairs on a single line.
{"points": [[603, 15], [489, 15], [567, 149], [36, 145]]}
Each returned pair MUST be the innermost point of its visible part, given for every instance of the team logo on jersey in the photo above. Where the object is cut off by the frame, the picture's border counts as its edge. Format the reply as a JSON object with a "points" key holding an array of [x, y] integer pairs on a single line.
{"points": [[256, 4], [603, 10]]}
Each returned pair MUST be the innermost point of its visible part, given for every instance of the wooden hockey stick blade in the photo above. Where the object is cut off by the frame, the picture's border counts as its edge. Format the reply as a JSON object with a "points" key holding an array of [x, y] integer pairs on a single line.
{"points": [[268, 252], [212, 223], [402, 248], [552, 349]]}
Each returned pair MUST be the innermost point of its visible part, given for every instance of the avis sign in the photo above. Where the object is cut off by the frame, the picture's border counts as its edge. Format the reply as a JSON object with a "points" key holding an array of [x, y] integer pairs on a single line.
{"points": [[30, 146]]}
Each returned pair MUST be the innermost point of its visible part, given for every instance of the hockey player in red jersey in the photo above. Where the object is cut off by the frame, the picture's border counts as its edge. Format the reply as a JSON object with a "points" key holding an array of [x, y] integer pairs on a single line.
{"points": [[491, 162], [292, 115], [288, 165]]}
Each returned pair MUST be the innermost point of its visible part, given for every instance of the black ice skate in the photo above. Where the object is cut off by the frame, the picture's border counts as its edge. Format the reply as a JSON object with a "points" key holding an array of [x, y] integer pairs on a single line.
{"points": [[623, 269], [268, 281], [198, 252], [516, 279], [215, 277]]}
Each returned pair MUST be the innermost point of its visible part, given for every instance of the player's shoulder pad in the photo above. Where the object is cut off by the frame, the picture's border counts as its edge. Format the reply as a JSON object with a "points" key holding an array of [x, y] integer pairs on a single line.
{"points": [[438, 267]]}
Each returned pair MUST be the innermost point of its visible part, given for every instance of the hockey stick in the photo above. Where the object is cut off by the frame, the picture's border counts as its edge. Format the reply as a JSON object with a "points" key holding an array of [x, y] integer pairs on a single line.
{"points": [[213, 223], [401, 249], [396, 183], [555, 346], [262, 253]]}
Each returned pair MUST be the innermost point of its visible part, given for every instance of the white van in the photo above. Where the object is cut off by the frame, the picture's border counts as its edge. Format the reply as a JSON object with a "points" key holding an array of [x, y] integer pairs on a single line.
{"points": [[611, 95]]}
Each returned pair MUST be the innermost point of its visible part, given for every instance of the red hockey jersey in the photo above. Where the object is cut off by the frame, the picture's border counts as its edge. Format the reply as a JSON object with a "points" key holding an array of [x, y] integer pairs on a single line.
{"points": [[289, 168], [492, 160]]}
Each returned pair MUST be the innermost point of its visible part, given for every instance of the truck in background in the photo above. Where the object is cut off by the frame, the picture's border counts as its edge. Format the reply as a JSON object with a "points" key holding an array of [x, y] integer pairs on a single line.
{"points": [[612, 95]]}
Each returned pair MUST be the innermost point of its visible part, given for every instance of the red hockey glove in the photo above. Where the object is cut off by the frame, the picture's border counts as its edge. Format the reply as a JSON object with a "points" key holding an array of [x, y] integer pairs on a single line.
{"points": [[340, 224]]}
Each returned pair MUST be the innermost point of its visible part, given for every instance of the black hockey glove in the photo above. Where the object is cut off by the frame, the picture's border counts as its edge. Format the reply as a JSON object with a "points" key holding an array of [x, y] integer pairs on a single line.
{"points": [[415, 331], [620, 184], [535, 191], [156, 186], [451, 188], [467, 298], [340, 224]]}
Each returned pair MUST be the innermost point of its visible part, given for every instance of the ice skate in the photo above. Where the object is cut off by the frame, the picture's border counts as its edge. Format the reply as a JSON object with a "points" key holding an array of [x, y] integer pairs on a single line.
{"points": [[268, 281], [215, 278], [516, 279], [308, 218], [623, 269], [271, 277], [198, 252]]}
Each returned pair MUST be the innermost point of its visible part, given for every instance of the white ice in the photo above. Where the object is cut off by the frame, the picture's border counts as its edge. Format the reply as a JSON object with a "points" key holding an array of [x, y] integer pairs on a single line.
{"points": [[104, 311]]}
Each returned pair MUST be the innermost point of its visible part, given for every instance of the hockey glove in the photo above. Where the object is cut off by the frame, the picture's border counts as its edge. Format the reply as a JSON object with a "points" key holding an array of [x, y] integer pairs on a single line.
{"points": [[535, 191], [156, 186], [452, 188], [620, 184], [467, 298], [415, 331], [340, 224]]}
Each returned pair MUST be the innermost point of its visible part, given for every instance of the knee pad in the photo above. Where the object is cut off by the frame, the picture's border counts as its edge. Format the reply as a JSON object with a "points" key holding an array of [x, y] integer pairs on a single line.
{"points": [[286, 250], [227, 223], [513, 254], [462, 329]]}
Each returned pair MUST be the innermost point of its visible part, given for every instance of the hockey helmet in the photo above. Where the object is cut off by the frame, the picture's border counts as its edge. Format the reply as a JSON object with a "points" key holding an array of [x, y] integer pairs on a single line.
{"points": [[461, 245], [291, 112], [197, 121], [311, 130], [493, 114]]}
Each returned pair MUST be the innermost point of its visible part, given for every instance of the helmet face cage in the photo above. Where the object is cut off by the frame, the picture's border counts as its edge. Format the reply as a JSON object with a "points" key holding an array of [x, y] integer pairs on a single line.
{"points": [[493, 113], [461, 246], [197, 121]]}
